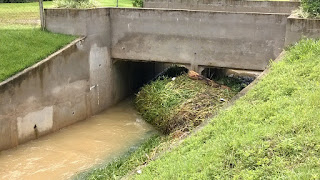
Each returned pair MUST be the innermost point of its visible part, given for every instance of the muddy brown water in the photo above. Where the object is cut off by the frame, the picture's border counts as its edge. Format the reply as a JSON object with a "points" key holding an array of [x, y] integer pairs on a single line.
{"points": [[76, 148]]}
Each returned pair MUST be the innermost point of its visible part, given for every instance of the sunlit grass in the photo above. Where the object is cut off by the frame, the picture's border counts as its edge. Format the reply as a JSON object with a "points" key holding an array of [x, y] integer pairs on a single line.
{"points": [[22, 46]]}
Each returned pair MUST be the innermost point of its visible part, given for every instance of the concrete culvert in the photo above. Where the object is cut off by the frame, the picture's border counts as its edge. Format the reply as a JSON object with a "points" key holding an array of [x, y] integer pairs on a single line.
{"points": [[235, 79]]}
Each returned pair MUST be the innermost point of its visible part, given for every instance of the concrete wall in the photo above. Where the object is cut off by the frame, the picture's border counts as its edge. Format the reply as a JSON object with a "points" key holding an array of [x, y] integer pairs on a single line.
{"points": [[220, 39], [226, 5], [298, 28], [51, 94], [70, 85]]}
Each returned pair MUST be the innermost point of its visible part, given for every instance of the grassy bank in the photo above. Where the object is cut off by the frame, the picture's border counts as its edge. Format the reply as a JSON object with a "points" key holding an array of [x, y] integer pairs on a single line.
{"points": [[271, 133], [22, 47]]}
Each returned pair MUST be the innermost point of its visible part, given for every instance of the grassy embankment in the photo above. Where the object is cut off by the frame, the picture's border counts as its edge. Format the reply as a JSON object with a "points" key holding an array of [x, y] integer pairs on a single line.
{"points": [[24, 46], [273, 132]]}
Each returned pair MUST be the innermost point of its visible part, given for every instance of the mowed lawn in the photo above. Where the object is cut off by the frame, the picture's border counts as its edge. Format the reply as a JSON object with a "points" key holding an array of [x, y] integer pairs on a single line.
{"points": [[28, 13], [113, 3], [21, 47], [20, 13]]}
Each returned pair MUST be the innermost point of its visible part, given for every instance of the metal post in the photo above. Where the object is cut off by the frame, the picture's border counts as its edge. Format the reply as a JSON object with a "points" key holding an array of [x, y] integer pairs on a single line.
{"points": [[41, 14], [117, 3]]}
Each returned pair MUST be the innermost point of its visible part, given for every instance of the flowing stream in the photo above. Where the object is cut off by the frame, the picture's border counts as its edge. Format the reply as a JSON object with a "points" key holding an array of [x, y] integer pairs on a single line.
{"points": [[78, 147]]}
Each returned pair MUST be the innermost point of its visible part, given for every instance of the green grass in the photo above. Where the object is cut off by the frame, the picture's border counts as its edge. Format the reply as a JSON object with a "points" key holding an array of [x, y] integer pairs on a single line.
{"points": [[113, 3], [273, 132], [21, 47], [28, 13], [21, 13], [71, 4], [308, 9], [91, 3]]}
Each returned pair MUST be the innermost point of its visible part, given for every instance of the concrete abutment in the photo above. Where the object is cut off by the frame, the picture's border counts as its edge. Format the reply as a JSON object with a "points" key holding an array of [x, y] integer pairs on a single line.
{"points": [[69, 86]]}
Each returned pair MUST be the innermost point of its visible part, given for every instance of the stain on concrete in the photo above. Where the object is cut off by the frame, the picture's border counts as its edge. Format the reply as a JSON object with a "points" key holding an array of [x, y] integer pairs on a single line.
{"points": [[39, 121]]}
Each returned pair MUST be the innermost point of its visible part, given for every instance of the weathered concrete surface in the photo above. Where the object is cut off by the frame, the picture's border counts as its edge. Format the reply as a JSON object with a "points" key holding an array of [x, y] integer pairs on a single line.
{"points": [[298, 28], [71, 85], [226, 5], [220, 39], [34, 96]]}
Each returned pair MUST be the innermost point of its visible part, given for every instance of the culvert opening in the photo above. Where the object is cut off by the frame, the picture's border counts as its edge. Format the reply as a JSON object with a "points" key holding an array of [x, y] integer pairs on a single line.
{"points": [[235, 79], [171, 71], [131, 76]]}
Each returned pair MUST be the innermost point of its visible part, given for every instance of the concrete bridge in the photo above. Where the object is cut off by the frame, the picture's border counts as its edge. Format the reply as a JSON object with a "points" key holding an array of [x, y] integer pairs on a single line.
{"points": [[193, 38]]}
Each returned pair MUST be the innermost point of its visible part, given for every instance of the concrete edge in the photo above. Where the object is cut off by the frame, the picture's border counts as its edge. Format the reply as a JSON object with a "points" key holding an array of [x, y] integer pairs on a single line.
{"points": [[293, 16], [177, 10], [239, 95], [36, 65]]}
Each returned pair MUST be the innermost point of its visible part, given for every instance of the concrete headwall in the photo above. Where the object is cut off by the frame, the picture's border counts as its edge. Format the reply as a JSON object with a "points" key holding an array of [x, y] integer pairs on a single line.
{"points": [[220, 39], [226, 5], [71, 85], [298, 28]]}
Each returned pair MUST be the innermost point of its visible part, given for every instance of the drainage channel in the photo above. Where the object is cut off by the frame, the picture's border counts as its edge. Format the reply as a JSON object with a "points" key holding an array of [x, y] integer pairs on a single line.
{"points": [[78, 147]]}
